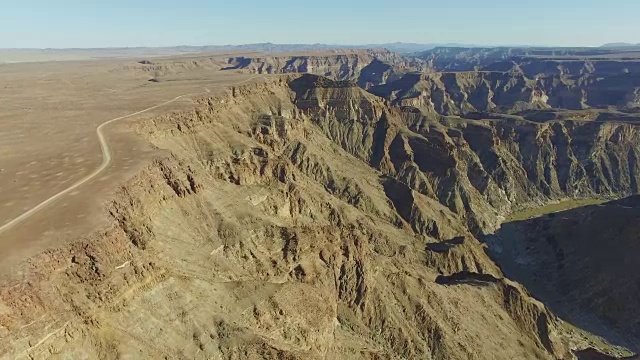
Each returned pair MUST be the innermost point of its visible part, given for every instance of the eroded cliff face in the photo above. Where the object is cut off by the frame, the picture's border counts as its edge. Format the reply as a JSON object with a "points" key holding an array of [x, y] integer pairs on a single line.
{"points": [[305, 218], [574, 61], [512, 91], [465, 92], [367, 67], [479, 169], [514, 79]]}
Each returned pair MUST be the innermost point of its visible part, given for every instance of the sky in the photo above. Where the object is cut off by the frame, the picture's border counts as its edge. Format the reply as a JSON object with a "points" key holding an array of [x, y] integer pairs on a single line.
{"points": [[120, 23]]}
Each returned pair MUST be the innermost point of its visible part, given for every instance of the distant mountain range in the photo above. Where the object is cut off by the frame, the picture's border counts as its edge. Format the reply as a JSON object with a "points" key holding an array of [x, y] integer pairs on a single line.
{"points": [[399, 47], [414, 49], [620, 45]]}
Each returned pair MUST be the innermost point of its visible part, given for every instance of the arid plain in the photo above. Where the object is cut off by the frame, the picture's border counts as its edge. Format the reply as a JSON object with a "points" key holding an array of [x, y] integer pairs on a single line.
{"points": [[50, 112]]}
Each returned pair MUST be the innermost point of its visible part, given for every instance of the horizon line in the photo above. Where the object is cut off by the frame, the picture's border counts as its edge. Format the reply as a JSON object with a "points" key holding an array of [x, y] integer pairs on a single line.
{"points": [[443, 44]]}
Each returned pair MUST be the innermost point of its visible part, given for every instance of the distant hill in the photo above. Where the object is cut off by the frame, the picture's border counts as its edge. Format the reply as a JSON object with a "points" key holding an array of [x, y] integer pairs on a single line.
{"points": [[399, 47], [504, 58], [39, 55], [620, 45], [467, 55], [410, 48], [20, 55]]}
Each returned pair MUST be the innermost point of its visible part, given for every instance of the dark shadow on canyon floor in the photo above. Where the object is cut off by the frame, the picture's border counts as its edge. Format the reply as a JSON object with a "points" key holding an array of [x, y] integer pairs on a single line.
{"points": [[582, 263]]}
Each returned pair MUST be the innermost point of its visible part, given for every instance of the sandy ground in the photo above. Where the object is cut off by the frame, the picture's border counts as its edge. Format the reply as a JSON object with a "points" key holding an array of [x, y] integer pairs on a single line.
{"points": [[48, 55], [49, 113]]}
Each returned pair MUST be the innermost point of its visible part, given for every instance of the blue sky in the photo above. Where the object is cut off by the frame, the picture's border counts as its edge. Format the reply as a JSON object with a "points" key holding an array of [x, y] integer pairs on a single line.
{"points": [[71, 23]]}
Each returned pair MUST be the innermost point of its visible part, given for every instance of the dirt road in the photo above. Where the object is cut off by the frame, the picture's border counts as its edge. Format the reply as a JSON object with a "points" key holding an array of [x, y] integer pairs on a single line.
{"points": [[106, 160]]}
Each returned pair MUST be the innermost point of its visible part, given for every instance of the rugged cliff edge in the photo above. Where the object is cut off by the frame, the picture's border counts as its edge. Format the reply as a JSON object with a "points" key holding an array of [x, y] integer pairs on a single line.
{"points": [[461, 93], [367, 67], [305, 218]]}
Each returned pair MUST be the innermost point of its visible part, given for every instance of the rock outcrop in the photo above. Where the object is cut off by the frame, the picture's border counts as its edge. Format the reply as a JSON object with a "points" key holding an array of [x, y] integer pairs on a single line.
{"points": [[368, 67], [571, 78], [478, 58], [463, 93]]}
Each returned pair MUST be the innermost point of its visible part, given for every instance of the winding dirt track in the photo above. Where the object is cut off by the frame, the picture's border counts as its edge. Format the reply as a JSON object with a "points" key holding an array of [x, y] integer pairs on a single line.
{"points": [[106, 160]]}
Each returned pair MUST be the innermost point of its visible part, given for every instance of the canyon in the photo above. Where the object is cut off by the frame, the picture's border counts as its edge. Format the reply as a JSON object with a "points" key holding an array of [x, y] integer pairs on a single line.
{"points": [[356, 204]]}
